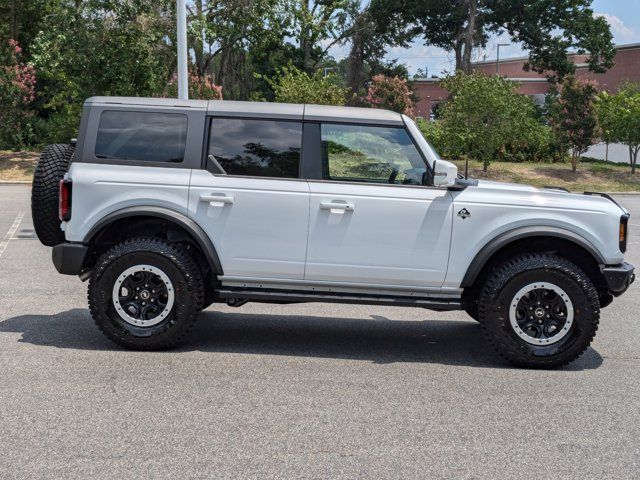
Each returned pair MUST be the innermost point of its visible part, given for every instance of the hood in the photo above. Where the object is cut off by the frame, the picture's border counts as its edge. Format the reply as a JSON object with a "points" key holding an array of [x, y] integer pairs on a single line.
{"points": [[519, 194]]}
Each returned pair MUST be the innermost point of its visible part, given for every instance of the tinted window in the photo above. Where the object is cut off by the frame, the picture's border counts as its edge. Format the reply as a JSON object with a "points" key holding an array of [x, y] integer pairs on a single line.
{"points": [[370, 154], [262, 148], [142, 136]]}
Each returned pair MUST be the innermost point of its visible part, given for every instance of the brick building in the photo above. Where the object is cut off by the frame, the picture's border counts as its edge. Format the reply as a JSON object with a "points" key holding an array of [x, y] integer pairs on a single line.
{"points": [[626, 68]]}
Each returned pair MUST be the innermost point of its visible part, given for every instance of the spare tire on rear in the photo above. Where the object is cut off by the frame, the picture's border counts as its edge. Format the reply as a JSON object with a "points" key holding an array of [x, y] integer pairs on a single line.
{"points": [[45, 192]]}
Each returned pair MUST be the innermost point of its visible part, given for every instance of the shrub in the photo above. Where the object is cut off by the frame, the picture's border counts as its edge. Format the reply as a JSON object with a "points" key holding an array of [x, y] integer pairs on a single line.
{"points": [[486, 119], [391, 93], [17, 91], [199, 88], [433, 131], [295, 86]]}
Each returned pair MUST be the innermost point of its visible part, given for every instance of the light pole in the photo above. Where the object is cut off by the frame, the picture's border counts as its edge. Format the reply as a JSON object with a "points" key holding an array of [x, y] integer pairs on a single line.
{"points": [[498, 57], [183, 87]]}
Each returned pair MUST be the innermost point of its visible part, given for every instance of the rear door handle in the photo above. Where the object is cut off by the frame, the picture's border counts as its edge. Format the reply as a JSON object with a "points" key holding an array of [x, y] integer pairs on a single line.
{"points": [[217, 198], [347, 207]]}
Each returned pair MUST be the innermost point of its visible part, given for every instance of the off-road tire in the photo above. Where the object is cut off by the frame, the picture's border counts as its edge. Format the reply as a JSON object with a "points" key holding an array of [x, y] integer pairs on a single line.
{"points": [[45, 192], [471, 307], [499, 291], [184, 274]]}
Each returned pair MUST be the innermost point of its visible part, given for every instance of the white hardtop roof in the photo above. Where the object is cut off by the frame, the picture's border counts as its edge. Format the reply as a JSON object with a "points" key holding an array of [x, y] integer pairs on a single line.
{"points": [[147, 102], [231, 108]]}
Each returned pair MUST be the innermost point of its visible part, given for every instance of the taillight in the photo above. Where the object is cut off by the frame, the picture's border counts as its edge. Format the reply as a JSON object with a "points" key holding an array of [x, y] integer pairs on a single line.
{"points": [[624, 221], [64, 210]]}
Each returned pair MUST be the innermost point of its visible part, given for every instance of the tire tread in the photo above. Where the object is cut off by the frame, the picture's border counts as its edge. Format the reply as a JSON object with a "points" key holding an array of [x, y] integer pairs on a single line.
{"points": [[175, 253], [514, 352]]}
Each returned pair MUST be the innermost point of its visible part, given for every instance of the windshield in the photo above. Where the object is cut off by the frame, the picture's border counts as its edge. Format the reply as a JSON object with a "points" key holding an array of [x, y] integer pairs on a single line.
{"points": [[423, 144]]}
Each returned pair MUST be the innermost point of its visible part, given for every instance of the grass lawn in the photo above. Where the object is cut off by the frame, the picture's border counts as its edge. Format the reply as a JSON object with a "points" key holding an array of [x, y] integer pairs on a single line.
{"points": [[591, 175]]}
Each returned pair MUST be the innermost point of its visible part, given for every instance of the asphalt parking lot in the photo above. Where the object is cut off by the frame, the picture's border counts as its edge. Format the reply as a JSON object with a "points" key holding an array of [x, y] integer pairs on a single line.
{"points": [[299, 391]]}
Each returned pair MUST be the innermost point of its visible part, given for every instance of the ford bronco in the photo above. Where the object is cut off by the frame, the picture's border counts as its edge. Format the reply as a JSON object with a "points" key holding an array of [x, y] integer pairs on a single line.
{"points": [[168, 206]]}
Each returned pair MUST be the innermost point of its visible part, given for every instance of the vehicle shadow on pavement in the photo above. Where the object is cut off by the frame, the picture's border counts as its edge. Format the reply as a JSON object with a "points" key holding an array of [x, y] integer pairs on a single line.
{"points": [[375, 338]]}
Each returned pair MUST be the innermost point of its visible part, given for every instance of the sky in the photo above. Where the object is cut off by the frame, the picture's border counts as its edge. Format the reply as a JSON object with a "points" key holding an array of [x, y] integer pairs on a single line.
{"points": [[622, 15]]}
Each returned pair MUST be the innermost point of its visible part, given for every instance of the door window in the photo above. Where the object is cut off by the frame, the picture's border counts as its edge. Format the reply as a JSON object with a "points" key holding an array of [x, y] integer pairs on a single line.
{"points": [[141, 136], [372, 154], [258, 148]]}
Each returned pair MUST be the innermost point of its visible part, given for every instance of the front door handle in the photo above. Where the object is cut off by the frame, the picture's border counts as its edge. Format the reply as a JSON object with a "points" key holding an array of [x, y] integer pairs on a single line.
{"points": [[217, 198], [347, 207]]}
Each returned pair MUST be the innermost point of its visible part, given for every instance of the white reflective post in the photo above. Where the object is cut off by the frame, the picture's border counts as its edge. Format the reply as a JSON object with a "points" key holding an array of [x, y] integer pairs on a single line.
{"points": [[183, 87]]}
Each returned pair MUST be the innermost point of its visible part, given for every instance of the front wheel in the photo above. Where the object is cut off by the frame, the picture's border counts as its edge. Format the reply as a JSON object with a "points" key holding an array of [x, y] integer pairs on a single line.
{"points": [[539, 310], [146, 293]]}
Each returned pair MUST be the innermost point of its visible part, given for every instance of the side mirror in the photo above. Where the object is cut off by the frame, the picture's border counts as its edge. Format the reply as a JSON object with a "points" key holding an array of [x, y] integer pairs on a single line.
{"points": [[444, 173]]}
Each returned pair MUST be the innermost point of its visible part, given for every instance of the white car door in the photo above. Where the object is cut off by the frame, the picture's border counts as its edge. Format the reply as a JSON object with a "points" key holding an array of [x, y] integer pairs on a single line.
{"points": [[372, 222], [250, 201]]}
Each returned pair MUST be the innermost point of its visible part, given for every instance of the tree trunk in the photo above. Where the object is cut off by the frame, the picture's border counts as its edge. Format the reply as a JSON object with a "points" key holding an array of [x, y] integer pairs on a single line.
{"points": [[469, 35], [14, 22], [574, 161], [606, 152], [198, 44], [635, 158], [355, 63], [457, 48], [305, 40]]}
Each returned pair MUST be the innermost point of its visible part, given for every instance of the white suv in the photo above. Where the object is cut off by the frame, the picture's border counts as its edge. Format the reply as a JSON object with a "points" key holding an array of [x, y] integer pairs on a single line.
{"points": [[168, 206]]}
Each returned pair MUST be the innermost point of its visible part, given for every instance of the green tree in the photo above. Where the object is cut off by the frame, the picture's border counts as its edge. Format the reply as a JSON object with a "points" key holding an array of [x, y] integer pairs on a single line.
{"points": [[370, 29], [232, 39], [572, 115], [21, 20], [547, 29], [484, 118], [295, 86], [606, 113], [619, 117], [314, 23], [101, 48]]}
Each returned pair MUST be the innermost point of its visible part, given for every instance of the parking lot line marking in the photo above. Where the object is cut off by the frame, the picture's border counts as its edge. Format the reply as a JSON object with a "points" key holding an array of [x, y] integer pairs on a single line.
{"points": [[9, 235]]}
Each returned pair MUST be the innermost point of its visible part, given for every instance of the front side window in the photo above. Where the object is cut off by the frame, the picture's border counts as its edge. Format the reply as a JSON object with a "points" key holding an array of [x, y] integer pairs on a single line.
{"points": [[373, 154], [258, 148], [141, 136]]}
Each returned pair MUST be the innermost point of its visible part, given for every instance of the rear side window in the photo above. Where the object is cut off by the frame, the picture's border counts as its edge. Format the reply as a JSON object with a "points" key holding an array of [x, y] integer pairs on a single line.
{"points": [[142, 136], [258, 148]]}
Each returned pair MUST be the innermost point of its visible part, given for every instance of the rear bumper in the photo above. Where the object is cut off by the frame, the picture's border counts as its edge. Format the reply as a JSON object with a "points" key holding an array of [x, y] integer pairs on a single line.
{"points": [[69, 257], [619, 277]]}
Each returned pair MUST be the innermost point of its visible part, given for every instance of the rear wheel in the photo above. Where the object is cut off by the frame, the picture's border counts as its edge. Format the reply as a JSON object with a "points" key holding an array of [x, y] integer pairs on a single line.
{"points": [[146, 293], [539, 310], [52, 165]]}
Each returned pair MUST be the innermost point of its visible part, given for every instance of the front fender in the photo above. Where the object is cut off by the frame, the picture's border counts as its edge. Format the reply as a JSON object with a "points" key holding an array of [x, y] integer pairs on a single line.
{"points": [[489, 249]]}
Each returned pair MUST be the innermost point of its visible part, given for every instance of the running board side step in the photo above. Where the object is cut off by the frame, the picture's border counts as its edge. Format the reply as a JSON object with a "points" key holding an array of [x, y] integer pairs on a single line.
{"points": [[282, 296]]}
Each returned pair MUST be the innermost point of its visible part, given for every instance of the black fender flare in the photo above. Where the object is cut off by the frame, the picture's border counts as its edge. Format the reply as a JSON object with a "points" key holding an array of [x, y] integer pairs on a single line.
{"points": [[502, 240], [196, 231]]}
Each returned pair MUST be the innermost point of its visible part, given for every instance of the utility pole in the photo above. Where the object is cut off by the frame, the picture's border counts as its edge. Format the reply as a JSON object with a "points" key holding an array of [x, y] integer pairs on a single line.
{"points": [[183, 86], [498, 57]]}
